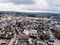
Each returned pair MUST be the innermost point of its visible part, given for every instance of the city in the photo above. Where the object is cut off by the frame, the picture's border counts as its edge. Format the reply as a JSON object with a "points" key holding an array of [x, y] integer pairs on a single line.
{"points": [[29, 22], [24, 30]]}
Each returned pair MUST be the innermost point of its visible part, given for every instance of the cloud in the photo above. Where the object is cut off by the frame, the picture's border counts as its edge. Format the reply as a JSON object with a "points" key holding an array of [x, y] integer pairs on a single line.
{"points": [[30, 5], [22, 1], [53, 2], [4, 1], [18, 1], [54, 5]]}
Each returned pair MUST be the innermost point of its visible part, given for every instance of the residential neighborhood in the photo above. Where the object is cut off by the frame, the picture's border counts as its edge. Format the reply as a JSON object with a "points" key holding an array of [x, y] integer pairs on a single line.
{"points": [[23, 30]]}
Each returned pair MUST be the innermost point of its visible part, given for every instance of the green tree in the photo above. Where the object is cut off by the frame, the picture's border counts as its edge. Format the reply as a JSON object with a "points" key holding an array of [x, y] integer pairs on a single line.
{"points": [[7, 31], [0, 15], [19, 24], [42, 37]]}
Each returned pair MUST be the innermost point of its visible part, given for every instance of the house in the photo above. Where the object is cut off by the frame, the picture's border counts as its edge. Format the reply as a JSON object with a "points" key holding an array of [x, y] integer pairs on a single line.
{"points": [[23, 40], [39, 42]]}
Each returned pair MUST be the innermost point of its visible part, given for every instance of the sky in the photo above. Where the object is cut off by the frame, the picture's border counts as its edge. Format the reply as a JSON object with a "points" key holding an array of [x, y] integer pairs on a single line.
{"points": [[30, 5]]}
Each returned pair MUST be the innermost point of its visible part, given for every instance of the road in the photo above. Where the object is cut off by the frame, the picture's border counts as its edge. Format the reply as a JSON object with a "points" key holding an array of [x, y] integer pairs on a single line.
{"points": [[13, 39], [51, 34], [56, 41]]}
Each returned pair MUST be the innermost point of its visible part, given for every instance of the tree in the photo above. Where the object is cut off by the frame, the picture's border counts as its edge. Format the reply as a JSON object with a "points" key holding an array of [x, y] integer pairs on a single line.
{"points": [[19, 24], [42, 37], [7, 31], [0, 15]]}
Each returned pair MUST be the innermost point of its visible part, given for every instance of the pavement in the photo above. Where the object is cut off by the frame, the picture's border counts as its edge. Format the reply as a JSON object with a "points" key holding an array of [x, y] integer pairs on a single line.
{"points": [[4, 41], [13, 39], [56, 41], [51, 34]]}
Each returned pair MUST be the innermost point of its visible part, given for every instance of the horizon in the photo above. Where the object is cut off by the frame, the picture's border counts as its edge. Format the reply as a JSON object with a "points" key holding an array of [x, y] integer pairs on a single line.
{"points": [[32, 11]]}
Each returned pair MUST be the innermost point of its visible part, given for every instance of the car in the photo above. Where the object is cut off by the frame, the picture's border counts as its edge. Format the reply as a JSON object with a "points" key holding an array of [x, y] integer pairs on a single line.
{"points": [[3, 44], [51, 40], [49, 43]]}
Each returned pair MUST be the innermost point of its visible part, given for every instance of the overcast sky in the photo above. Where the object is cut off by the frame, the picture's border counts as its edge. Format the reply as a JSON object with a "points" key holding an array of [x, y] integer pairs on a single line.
{"points": [[30, 5]]}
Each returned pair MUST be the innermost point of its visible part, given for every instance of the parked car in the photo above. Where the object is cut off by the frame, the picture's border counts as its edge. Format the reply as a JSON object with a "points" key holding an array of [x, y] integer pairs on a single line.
{"points": [[50, 42]]}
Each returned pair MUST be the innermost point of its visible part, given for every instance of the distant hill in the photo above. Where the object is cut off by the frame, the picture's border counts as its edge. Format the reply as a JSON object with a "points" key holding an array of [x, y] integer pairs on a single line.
{"points": [[37, 14]]}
